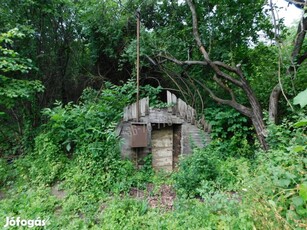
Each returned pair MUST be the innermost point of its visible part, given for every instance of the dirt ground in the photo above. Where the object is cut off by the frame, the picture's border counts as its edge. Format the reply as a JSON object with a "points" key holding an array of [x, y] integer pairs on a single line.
{"points": [[162, 197]]}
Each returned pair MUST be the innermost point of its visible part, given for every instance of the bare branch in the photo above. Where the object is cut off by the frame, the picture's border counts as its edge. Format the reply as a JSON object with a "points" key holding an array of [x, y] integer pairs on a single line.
{"points": [[202, 49], [241, 108], [225, 66], [151, 60], [195, 31], [217, 70], [224, 86], [178, 62], [183, 93], [227, 76]]}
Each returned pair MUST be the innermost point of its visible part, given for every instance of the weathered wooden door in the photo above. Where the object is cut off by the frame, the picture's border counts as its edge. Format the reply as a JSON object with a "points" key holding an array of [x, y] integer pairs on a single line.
{"points": [[162, 148]]}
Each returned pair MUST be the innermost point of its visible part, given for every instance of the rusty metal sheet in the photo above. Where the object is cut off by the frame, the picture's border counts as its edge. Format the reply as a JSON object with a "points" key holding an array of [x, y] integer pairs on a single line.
{"points": [[139, 135]]}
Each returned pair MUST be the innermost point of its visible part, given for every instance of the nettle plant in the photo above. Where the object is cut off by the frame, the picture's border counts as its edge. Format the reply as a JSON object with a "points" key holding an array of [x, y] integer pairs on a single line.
{"points": [[281, 172]]}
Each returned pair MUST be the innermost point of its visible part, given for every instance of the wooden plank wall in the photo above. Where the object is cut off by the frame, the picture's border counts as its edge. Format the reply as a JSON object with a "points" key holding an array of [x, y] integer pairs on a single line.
{"points": [[176, 106], [180, 108], [130, 110], [162, 148]]}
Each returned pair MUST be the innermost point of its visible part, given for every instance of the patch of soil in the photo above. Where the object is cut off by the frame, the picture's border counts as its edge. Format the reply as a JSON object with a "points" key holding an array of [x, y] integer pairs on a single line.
{"points": [[57, 192], [58, 211], [163, 198]]}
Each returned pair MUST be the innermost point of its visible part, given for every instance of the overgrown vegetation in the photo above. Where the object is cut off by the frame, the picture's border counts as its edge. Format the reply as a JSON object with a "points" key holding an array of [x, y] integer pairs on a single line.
{"points": [[75, 178], [67, 71]]}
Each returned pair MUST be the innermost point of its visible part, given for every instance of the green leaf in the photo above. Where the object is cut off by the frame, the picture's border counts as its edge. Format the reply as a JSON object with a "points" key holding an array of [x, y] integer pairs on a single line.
{"points": [[300, 123], [283, 182], [297, 201], [301, 211], [301, 99], [303, 191], [298, 148]]}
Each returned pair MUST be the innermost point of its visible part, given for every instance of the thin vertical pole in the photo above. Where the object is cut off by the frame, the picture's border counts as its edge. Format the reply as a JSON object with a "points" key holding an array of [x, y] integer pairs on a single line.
{"points": [[138, 64]]}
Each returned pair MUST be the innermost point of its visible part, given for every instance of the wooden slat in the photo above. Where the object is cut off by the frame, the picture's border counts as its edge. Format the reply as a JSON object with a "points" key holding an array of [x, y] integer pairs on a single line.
{"points": [[169, 101], [193, 116], [147, 106], [133, 111], [174, 102], [180, 108], [162, 142], [129, 113], [185, 110], [189, 113], [168, 168], [162, 148], [163, 134], [143, 107], [163, 152], [163, 161], [174, 99], [126, 115], [169, 97]]}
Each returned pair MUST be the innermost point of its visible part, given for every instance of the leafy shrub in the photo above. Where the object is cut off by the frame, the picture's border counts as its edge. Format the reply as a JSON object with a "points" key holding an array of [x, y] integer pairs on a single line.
{"points": [[207, 170], [4, 172], [145, 174], [28, 203], [267, 190], [44, 166], [231, 128], [278, 183], [226, 122], [232, 172], [193, 169], [126, 213], [78, 144]]}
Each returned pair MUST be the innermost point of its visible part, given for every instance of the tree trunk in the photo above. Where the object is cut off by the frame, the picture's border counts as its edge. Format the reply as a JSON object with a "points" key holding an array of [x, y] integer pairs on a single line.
{"points": [[273, 104], [256, 116], [297, 60], [255, 111], [260, 131]]}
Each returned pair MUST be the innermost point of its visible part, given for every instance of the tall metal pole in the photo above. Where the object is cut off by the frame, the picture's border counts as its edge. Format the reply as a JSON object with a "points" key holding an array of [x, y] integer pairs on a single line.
{"points": [[138, 64]]}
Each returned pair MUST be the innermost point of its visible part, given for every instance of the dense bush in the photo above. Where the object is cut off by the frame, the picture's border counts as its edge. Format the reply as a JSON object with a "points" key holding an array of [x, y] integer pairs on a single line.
{"points": [[231, 131], [269, 190], [77, 150], [200, 166], [207, 169]]}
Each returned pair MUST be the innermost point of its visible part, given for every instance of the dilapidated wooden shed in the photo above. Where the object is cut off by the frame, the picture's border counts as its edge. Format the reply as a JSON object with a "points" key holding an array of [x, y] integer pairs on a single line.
{"points": [[166, 133]]}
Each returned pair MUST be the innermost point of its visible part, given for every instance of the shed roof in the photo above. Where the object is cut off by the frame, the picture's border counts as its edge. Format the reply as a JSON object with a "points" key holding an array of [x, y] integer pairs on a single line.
{"points": [[176, 108]]}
